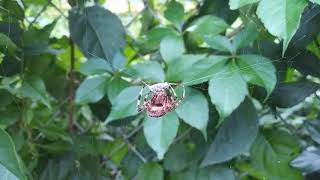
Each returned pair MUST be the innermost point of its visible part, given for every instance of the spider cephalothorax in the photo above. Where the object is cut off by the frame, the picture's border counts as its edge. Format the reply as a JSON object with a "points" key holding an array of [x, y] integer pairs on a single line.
{"points": [[161, 100]]}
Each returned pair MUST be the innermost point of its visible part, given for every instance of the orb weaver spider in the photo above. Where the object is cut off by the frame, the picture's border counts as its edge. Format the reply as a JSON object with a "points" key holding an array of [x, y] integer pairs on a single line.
{"points": [[161, 99]]}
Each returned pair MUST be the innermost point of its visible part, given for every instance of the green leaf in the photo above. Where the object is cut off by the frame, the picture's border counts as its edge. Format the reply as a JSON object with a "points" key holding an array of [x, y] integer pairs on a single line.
{"points": [[235, 135], [235, 4], [150, 171], [98, 33], [92, 89], [258, 70], [271, 154], [146, 70], [171, 47], [34, 88], [216, 173], [116, 85], [227, 89], [9, 158], [205, 69], [175, 14], [290, 94], [199, 116], [5, 174], [246, 36], [179, 67], [220, 43], [288, 13], [177, 158], [153, 37], [94, 66], [124, 104], [7, 44], [208, 26], [160, 132]]}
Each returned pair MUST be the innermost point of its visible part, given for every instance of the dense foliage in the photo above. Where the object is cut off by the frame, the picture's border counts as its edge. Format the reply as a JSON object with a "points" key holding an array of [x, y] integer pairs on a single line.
{"points": [[71, 72]]}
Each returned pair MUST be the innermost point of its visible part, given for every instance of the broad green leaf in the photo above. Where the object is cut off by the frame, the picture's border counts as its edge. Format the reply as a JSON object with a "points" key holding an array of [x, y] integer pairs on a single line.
{"points": [[94, 66], [9, 158], [7, 44], [288, 13], [220, 43], [5, 174], [177, 158], [290, 94], [124, 105], [146, 70], [208, 26], [115, 87], [98, 33], [246, 36], [216, 173], [308, 160], [227, 89], [271, 154], [152, 38], [199, 116], [92, 89], [160, 132], [150, 171], [34, 88], [235, 135], [171, 47], [205, 69], [175, 13], [179, 67], [258, 70], [235, 4]]}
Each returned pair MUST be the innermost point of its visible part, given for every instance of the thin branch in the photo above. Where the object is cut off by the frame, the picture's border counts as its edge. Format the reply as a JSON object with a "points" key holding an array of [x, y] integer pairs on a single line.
{"points": [[71, 94], [235, 31], [56, 8], [184, 134], [44, 8], [291, 128]]}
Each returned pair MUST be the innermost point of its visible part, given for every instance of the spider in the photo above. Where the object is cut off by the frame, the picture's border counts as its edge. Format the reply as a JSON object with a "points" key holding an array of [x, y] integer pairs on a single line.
{"points": [[160, 100]]}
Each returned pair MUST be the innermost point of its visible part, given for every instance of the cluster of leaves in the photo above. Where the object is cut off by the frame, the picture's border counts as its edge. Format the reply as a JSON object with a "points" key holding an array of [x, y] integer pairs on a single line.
{"points": [[250, 68]]}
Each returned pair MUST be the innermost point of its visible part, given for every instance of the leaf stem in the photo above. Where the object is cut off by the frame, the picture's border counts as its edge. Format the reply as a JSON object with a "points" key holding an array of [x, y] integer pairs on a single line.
{"points": [[71, 87]]}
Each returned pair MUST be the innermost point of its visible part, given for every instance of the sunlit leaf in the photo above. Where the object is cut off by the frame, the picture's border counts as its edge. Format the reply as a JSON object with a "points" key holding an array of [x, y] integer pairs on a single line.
{"points": [[258, 70], [175, 13], [124, 104], [199, 116], [146, 70], [207, 26], [160, 132], [288, 13], [92, 89], [171, 47], [227, 89]]}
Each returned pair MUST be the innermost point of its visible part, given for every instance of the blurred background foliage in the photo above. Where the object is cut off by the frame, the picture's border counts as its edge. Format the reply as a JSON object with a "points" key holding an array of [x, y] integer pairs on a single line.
{"points": [[71, 72]]}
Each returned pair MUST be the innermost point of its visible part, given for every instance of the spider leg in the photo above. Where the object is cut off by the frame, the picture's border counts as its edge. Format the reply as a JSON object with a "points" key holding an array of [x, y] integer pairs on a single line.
{"points": [[140, 107], [179, 100]]}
